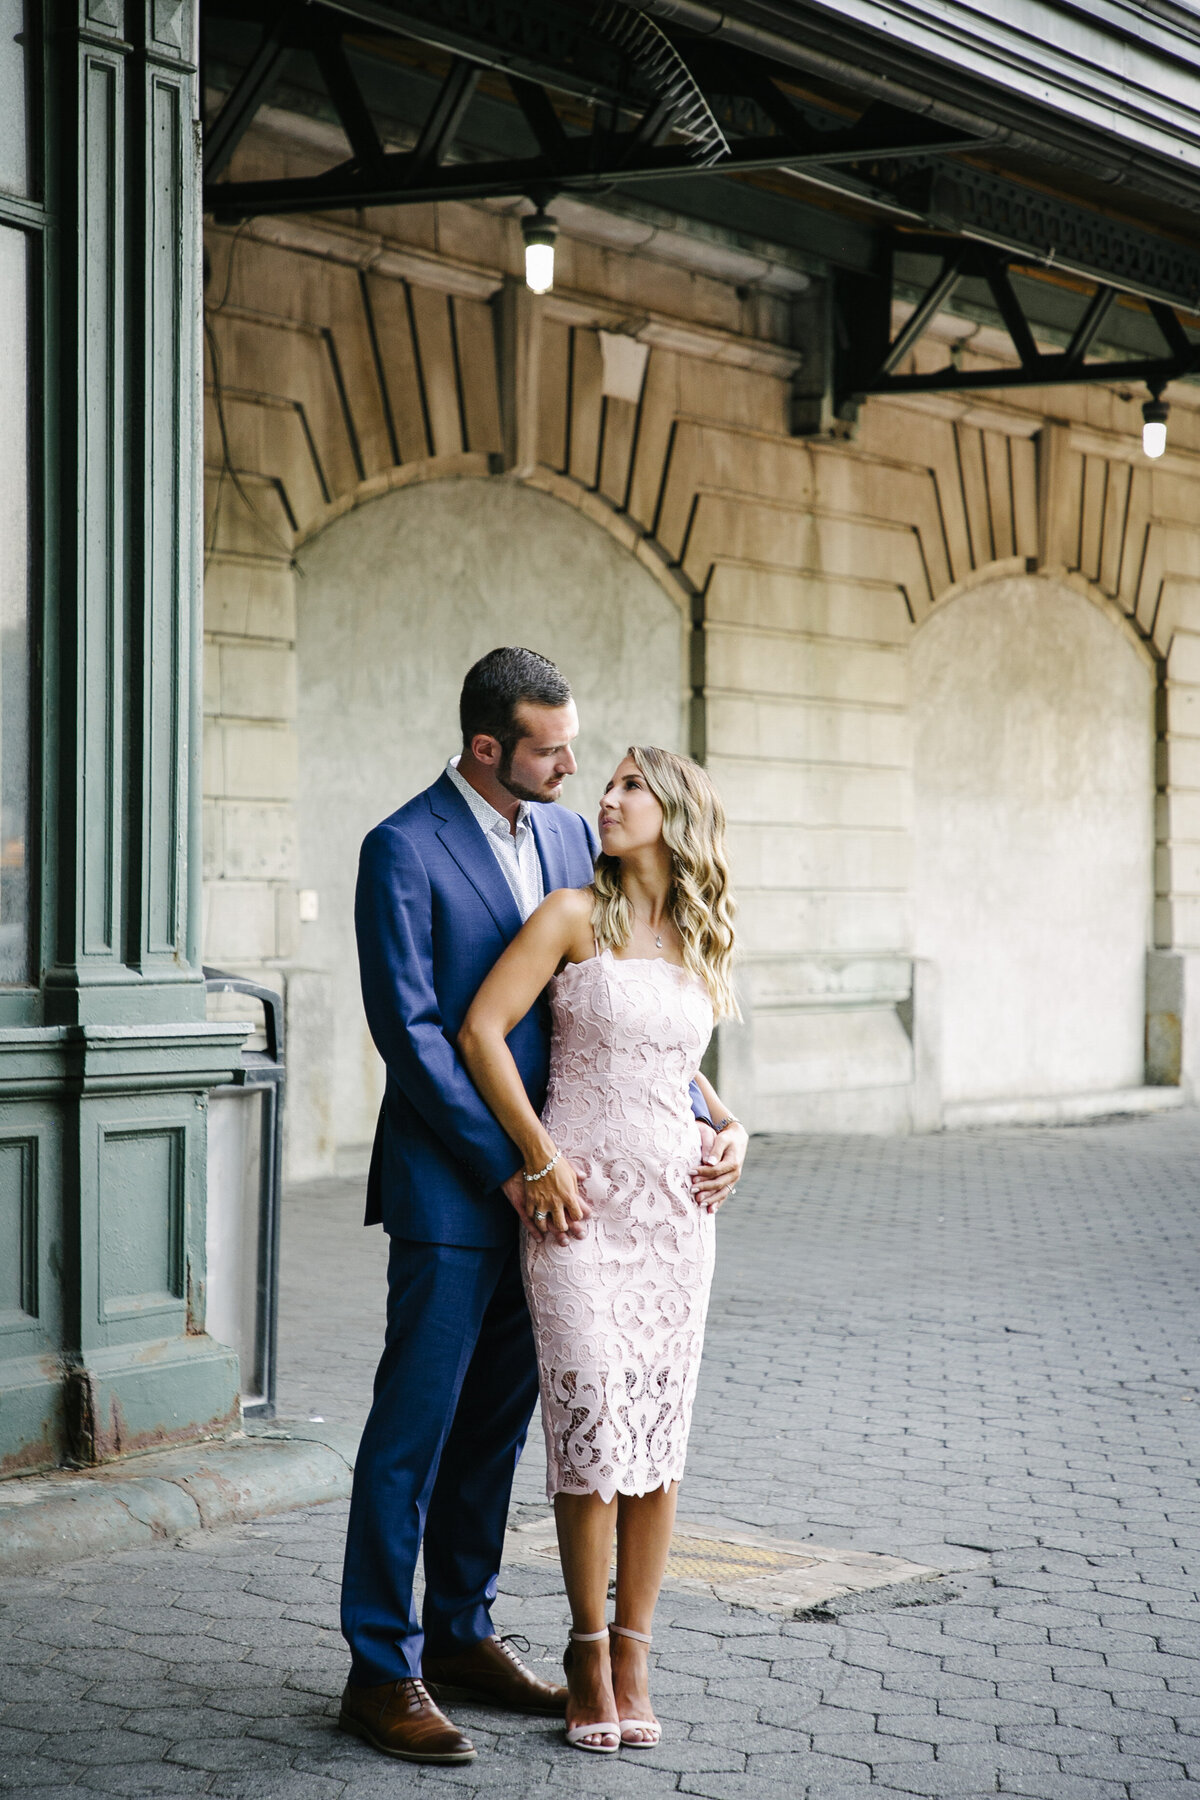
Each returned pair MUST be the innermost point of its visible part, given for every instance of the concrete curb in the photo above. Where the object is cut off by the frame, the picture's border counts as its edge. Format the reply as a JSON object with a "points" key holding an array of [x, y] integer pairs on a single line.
{"points": [[156, 1498]]}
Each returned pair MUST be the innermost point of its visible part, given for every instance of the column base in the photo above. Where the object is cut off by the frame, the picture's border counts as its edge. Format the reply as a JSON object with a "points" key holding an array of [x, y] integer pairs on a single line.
{"points": [[150, 1395], [31, 1414]]}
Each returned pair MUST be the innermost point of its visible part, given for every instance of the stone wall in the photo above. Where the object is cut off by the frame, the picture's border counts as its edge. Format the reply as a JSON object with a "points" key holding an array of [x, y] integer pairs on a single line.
{"points": [[1034, 785], [350, 358], [395, 601]]}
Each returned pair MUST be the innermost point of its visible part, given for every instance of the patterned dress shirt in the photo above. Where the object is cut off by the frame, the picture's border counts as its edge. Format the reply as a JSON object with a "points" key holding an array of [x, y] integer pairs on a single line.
{"points": [[516, 852]]}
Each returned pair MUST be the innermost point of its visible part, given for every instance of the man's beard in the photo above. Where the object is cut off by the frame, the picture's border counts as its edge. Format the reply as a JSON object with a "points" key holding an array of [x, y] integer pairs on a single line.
{"points": [[505, 777]]}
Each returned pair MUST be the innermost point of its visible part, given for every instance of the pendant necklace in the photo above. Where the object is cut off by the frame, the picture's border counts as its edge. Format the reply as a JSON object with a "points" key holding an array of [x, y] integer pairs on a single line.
{"points": [[657, 934]]}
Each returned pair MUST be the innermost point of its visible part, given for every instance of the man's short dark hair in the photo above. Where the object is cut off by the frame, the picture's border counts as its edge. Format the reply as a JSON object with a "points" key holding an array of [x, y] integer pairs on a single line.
{"points": [[496, 686]]}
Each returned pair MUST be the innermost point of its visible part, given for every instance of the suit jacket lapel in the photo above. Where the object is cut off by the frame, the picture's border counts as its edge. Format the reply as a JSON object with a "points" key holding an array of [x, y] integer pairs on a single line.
{"points": [[548, 838], [460, 833]]}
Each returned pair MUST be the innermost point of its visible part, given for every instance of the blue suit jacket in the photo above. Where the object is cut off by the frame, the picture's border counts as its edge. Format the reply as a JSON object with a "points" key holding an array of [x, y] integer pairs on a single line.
{"points": [[433, 912]]}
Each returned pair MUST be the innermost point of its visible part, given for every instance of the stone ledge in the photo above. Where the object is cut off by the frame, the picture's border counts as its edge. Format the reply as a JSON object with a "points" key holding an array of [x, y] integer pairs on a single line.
{"points": [[1062, 1109], [157, 1497]]}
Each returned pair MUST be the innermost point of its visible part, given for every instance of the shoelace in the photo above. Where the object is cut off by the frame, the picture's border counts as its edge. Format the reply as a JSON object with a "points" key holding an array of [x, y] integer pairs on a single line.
{"points": [[522, 1643]]}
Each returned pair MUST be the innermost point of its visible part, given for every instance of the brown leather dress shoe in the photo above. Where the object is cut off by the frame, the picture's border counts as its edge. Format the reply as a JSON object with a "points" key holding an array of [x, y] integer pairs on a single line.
{"points": [[492, 1671], [400, 1719]]}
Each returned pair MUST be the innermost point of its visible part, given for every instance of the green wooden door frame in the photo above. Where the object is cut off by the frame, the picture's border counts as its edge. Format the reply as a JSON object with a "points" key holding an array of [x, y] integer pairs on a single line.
{"points": [[105, 1061]]}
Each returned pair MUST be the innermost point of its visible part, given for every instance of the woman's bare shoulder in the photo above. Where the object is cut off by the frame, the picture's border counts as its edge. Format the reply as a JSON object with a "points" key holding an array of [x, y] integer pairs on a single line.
{"points": [[566, 917], [571, 906]]}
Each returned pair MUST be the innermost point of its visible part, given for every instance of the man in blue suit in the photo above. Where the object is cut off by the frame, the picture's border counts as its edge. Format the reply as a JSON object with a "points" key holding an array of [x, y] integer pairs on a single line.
{"points": [[444, 885]]}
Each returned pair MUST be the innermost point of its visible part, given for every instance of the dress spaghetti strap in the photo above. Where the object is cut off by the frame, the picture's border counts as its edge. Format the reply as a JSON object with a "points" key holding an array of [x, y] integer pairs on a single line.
{"points": [[595, 941]]}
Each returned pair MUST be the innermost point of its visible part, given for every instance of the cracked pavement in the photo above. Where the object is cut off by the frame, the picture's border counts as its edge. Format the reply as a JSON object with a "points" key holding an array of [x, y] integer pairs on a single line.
{"points": [[976, 1351]]}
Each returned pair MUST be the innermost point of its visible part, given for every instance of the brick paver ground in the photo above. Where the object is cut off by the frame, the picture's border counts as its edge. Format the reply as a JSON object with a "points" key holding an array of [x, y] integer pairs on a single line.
{"points": [[976, 1350]]}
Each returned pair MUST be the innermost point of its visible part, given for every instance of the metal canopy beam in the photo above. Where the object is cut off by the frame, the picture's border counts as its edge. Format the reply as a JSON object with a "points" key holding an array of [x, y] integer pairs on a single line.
{"points": [[348, 101], [1051, 228], [1070, 84], [598, 122], [400, 177], [866, 356], [237, 114], [540, 116], [784, 137], [441, 127], [1085, 333]]}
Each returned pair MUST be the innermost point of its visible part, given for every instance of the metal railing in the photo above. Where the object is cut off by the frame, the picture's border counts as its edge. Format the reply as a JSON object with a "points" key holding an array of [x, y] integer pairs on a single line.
{"points": [[245, 1174]]}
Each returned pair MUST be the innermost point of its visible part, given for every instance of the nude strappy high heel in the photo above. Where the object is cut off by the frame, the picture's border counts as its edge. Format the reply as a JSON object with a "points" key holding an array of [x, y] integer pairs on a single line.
{"points": [[577, 1735], [651, 1727]]}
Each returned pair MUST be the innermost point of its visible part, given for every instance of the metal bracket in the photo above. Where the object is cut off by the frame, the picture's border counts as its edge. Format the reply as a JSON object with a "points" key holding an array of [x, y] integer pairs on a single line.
{"points": [[866, 355]]}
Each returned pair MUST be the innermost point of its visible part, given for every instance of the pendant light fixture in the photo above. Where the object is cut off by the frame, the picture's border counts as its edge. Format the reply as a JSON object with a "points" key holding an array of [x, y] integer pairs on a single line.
{"points": [[539, 231], [1154, 423]]}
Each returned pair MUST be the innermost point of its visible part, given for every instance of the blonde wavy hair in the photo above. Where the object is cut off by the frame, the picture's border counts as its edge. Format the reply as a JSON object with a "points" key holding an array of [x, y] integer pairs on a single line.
{"points": [[700, 902]]}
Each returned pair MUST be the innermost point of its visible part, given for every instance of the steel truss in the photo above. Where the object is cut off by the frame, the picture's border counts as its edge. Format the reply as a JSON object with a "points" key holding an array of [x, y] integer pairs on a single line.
{"points": [[632, 114], [866, 355], [610, 99]]}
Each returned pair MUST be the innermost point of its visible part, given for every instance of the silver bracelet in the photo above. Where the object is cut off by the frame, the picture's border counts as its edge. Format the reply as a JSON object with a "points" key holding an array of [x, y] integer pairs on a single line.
{"points": [[544, 1171], [729, 1120]]}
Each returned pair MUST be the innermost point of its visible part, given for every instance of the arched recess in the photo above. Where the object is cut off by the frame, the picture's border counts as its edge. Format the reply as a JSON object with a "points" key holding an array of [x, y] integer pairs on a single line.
{"points": [[395, 599], [1033, 710]]}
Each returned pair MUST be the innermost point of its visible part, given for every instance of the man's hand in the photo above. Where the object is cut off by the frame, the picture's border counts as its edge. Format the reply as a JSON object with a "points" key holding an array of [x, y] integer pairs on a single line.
{"points": [[720, 1166], [514, 1191]]}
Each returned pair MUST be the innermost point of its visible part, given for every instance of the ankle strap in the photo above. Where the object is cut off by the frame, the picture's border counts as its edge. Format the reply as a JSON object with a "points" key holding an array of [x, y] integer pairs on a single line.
{"points": [[643, 1637], [588, 1637]]}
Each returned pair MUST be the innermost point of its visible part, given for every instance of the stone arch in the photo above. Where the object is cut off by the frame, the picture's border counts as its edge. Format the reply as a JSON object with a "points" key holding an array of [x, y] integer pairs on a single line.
{"points": [[1143, 644], [594, 506], [442, 570], [1034, 810]]}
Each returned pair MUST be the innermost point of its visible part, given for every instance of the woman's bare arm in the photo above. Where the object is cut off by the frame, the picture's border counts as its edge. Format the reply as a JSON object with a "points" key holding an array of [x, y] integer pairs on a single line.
{"points": [[558, 932]]}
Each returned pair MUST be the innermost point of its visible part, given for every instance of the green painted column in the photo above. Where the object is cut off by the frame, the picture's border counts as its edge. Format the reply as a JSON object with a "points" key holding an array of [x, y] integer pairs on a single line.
{"points": [[106, 1064]]}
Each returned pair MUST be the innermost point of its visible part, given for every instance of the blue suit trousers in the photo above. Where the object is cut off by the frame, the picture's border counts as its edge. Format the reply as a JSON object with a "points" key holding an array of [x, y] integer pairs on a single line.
{"points": [[453, 1397]]}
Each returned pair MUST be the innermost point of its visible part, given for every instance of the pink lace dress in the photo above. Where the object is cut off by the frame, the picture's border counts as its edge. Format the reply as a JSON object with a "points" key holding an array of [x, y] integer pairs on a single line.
{"points": [[618, 1315]]}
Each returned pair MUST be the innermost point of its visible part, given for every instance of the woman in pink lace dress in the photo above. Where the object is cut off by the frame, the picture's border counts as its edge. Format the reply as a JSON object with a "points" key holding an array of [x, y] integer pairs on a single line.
{"points": [[619, 1256]]}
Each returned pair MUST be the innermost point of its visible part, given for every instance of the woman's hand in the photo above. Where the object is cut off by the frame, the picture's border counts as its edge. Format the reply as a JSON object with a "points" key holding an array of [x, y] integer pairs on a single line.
{"points": [[554, 1205], [721, 1167]]}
